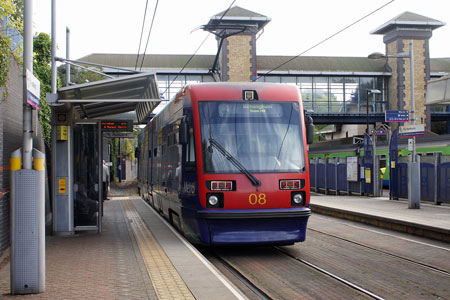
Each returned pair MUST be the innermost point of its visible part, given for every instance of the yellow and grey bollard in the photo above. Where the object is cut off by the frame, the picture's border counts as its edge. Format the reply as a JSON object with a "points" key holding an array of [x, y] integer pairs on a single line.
{"points": [[27, 225]]}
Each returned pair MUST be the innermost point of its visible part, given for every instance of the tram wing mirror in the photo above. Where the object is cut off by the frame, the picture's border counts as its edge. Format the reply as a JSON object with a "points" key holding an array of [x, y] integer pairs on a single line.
{"points": [[183, 132], [309, 129]]}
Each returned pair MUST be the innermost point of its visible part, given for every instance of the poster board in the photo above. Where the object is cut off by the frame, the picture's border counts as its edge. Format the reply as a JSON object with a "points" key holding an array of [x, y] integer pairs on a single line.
{"points": [[352, 168]]}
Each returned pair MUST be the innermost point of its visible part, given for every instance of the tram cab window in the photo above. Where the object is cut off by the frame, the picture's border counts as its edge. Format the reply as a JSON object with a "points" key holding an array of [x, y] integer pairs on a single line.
{"points": [[190, 164]]}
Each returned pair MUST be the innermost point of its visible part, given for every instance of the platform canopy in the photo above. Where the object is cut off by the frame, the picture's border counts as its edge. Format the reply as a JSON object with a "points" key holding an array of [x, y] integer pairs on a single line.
{"points": [[438, 91], [114, 96]]}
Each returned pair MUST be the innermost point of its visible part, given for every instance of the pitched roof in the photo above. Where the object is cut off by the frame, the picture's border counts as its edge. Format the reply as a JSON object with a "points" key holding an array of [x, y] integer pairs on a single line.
{"points": [[408, 19], [303, 64], [238, 12], [238, 15]]}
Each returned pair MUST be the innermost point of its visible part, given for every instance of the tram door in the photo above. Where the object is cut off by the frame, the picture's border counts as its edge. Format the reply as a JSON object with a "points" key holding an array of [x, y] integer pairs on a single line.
{"points": [[86, 187]]}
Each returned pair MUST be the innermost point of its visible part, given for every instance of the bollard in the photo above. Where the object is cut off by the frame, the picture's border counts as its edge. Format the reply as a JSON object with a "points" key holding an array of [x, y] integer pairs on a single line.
{"points": [[414, 183], [27, 225]]}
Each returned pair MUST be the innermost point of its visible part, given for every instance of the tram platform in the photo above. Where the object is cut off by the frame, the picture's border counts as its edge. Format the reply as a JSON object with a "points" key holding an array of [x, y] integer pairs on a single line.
{"points": [[136, 256], [431, 221]]}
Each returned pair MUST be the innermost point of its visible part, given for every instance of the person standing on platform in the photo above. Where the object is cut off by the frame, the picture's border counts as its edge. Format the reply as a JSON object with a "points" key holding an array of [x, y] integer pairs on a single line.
{"points": [[105, 180]]}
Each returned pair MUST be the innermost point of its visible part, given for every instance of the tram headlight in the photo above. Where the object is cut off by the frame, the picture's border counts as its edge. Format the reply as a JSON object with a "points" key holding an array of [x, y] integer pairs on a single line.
{"points": [[213, 200], [298, 198]]}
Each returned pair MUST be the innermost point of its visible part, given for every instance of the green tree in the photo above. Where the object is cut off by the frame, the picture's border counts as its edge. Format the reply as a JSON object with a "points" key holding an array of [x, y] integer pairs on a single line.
{"points": [[12, 12], [42, 55]]}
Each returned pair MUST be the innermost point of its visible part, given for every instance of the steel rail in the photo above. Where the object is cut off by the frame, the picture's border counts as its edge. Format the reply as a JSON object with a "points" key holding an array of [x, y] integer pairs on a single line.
{"points": [[260, 293], [385, 253], [340, 279]]}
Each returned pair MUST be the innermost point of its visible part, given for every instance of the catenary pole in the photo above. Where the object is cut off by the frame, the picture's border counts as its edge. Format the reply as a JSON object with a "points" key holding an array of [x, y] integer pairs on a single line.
{"points": [[27, 65], [53, 83], [27, 181], [67, 56]]}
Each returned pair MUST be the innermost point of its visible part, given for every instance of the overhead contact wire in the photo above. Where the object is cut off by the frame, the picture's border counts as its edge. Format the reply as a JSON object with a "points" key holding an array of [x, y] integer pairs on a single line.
{"points": [[326, 39], [149, 33], [195, 53], [142, 32]]}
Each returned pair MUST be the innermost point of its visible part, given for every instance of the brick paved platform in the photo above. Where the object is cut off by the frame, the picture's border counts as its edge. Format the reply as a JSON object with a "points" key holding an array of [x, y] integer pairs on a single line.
{"points": [[114, 264]]}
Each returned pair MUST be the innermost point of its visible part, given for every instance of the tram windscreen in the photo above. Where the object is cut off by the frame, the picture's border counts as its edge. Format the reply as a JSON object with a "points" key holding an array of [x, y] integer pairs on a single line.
{"points": [[264, 137]]}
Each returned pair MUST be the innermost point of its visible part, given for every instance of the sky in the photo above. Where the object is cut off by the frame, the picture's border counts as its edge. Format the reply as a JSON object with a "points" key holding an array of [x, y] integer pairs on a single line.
{"points": [[114, 26]]}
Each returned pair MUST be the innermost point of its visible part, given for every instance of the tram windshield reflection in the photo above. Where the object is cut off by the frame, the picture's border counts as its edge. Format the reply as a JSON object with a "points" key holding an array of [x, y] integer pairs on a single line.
{"points": [[263, 136]]}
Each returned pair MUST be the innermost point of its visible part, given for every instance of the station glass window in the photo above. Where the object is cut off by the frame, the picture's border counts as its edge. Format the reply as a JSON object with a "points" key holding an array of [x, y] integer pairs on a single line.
{"points": [[305, 86], [320, 94], [289, 80], [337, 95], [366, 99], [351, 94], [275, 79]]}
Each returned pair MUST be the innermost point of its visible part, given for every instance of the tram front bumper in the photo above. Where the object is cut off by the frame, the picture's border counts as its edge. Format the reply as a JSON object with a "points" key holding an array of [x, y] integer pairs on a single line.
{"points": [[268, 226]]}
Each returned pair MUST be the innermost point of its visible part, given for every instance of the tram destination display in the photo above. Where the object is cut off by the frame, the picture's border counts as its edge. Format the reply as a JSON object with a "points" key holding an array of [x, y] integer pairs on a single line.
{"points": [[117, 125]]}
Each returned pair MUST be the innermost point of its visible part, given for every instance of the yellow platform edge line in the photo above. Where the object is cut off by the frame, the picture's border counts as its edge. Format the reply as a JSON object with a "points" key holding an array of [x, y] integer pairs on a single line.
{"points": [[166, 280]]}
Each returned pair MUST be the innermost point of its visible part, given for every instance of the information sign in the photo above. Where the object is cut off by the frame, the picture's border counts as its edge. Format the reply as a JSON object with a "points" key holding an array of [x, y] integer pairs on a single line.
{"points": [[62, 184], [61, 133], [396, 116], [117, 125], [33, 90], [368, 176], [411, 130], [352, 168]]}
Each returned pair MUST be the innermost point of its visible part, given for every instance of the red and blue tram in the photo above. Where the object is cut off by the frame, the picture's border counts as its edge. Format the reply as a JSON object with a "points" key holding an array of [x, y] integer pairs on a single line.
{"points": [[227, 163]]}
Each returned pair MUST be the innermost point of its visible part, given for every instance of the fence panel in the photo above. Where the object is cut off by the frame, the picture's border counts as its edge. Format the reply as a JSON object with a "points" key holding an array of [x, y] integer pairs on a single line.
{"points": [[402, 170], [444, 182], [331, 175], [321, 174], [427, 181], [342, 177], [312, 173]]}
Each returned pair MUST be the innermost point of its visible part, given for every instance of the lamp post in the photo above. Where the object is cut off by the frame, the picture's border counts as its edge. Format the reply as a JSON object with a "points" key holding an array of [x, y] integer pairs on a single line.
{"points": [[373, 92], [414, 170], [373, 158]]}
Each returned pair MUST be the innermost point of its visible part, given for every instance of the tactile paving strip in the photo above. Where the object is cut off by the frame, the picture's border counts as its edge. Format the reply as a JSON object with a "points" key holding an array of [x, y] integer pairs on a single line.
{"points": [[167, 282]]}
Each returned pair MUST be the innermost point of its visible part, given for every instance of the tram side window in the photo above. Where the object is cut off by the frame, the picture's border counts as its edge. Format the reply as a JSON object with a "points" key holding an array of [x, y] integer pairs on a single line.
{"points": [[189, 164]]}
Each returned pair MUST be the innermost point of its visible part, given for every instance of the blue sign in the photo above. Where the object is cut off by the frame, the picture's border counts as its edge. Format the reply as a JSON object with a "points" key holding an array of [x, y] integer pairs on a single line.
{"points": [[396, 116], [379, 132]]}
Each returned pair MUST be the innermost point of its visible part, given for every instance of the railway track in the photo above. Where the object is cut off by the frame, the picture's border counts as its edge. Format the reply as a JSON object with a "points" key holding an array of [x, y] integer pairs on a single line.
{"points": [[269, 272], [259, 290], [334, 276], [243, 279], [427, 266]]}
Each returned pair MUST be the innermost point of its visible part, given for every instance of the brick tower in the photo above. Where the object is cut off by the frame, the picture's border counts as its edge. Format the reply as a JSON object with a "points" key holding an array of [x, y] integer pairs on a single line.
{"points": [[236, 36], [397, 34]]}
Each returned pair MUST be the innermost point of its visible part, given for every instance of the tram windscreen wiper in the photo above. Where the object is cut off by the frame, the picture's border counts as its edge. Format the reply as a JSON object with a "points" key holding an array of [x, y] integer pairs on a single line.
{"points": [[255, 181]]}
